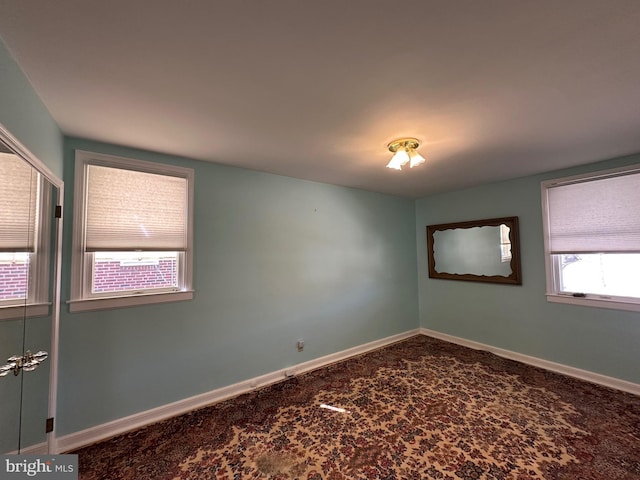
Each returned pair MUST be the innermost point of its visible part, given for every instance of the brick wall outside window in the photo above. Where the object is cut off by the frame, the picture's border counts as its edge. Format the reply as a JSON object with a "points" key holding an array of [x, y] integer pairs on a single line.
{"points": [[110, 276], [13, 280], [113, 276]]}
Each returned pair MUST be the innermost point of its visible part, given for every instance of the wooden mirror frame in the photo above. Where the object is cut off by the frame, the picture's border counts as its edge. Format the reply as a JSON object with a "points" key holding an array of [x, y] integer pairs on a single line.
{"points": [[515, 278]]}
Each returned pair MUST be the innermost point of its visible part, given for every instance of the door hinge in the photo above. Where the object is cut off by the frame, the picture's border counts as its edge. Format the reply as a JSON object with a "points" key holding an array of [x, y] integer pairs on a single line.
{"points": [[58, 213], [49, 425]]}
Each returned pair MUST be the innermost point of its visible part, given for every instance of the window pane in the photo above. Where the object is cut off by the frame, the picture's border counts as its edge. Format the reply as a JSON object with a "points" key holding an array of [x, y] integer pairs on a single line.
{"points": [[134, 271], [615, 274]]}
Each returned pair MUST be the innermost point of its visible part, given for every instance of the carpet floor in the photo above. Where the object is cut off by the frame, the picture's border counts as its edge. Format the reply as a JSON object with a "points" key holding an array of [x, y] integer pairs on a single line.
{"points": [[418, 409]]}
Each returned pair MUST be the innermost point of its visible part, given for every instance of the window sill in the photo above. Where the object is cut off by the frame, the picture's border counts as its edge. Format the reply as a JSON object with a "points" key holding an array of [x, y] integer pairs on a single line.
{"points": [[105, 303], [18, 311], [594, 302]]}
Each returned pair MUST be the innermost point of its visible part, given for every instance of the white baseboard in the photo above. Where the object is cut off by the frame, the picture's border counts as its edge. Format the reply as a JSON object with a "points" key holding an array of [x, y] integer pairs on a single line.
{"points": [[116, 427], [592, 377], [138, 420]]}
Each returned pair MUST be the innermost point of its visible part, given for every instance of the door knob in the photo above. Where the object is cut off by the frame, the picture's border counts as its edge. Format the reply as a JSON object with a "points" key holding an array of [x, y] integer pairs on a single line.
{"points": [[27, 362]]}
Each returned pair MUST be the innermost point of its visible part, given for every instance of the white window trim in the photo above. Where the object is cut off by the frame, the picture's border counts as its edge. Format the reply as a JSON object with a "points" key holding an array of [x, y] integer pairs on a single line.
{"points": [[595, 301], [588, 300], [79, 301], [12, 312]]}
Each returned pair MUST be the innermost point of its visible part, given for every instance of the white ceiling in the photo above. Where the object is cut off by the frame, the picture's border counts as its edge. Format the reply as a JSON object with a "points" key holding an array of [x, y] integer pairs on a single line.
{"points": [[494, 89]]}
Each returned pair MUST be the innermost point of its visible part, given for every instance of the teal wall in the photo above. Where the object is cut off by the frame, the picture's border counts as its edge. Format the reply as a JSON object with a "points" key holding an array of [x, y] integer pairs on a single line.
{"points": [[25, 116], [519, 318], [276, 259]]}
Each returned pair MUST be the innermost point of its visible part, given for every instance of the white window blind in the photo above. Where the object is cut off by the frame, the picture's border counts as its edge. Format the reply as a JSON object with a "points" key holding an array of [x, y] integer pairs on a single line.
{"points": [[133, 210], [594, 216], [18, 204]]}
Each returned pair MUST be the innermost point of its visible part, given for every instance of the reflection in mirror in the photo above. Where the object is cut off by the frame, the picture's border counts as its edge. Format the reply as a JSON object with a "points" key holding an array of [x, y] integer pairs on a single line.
{"points": [[477, 250], [28, 279], [18, 212], [484, 251]]}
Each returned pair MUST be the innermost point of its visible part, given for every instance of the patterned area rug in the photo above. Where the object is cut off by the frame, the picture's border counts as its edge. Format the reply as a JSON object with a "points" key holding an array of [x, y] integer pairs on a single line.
{"points": [[418, 409]]}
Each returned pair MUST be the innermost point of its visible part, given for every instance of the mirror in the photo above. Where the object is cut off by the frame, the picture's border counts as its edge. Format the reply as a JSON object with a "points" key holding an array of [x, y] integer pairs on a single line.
{"points": [[477, 251], [29, 297]]}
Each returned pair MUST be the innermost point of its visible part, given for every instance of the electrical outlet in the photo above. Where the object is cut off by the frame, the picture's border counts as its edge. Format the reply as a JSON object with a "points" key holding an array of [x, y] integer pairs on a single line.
{"points": [[300, 345]]}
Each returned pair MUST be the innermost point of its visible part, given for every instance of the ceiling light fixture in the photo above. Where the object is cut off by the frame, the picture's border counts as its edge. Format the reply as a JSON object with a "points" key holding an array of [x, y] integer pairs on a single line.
{"points": [[404, 150]]}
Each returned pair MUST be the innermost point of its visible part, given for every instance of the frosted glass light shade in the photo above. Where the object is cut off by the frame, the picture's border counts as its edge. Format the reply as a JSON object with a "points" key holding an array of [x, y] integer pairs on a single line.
{"points": [[415, 158], [400, 158]]}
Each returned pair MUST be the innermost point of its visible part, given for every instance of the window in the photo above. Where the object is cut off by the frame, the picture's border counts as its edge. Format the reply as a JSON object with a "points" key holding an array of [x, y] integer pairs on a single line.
{"points": [[24, 233], [592, 238], [132, 232], [505, 244]]}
